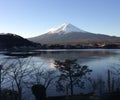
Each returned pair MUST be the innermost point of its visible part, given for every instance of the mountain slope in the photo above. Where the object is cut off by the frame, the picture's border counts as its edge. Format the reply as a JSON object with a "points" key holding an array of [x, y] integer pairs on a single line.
{"points": [[9, 40], [69, 34], [65, 28]]}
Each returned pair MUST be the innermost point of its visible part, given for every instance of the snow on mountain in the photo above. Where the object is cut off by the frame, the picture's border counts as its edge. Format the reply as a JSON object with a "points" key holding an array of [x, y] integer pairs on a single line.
{"points": [[70, 34], [65, 28]]}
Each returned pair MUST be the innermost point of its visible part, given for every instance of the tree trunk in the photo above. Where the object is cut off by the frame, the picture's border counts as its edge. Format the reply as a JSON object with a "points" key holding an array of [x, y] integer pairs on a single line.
{"points": [[71, 85], [109, 89], [20, 93], [113, 81], [67, 92]]}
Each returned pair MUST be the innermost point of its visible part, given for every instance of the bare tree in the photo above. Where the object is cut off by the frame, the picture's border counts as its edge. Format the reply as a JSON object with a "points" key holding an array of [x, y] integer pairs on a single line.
{"points": [[41, 80], [101, 85], [41, 76], [4, 69], [115, 73], [18, 73], [93, 84], [97, 84], [3, 73]]}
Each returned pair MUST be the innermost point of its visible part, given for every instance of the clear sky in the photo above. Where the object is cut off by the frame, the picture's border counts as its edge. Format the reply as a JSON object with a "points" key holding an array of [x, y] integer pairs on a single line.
{"points": [[30, 18]]}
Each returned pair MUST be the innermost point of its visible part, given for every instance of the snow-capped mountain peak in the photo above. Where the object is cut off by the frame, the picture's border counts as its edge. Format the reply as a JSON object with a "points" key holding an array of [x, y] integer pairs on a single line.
{"points": [[65, 28], [68, 34]]}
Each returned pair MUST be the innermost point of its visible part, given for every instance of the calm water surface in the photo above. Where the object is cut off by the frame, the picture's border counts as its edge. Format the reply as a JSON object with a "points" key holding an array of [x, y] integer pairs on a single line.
{"points": [[99, 60]]}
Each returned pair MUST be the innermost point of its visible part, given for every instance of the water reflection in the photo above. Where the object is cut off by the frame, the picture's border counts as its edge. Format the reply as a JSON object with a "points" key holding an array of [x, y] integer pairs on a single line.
{"points": [[91, 57], [98, 60], [76, 54], [52, 65]]}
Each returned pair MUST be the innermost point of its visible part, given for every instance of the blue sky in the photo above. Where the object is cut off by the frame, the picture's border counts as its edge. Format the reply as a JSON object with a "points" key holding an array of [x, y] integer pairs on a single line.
{"points": [[30, 18]]}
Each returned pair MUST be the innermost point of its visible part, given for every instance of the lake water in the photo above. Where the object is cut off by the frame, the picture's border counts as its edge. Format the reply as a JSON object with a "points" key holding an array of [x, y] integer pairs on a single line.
{"points": [[99, 60]]}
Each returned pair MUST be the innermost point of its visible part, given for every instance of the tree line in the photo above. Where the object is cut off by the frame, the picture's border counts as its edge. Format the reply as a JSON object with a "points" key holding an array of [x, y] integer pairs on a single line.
{"points": [[65, 76], [82, 46]]}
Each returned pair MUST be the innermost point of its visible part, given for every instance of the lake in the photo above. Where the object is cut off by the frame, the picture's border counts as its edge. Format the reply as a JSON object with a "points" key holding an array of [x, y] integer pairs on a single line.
{"points": [[99, 60]]}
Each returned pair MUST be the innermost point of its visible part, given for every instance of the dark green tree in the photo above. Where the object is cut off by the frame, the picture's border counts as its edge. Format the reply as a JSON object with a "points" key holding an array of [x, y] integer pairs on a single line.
{"points": [[8, 94], [39, 91], [71, 73]]}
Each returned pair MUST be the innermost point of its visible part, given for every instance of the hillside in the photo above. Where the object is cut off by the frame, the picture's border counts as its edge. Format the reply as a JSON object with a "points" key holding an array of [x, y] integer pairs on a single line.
{"points": [[12, 41]]}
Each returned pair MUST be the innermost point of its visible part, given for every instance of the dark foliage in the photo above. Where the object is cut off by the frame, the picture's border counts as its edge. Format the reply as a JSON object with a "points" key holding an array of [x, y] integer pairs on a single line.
{"points": [[71, 73], [39, 91], [8, 41], [9, 95]]}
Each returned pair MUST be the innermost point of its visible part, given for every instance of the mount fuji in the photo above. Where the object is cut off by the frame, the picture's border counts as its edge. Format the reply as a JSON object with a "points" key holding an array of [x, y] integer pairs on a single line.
{"points": [[65, 28], [70, 34]]}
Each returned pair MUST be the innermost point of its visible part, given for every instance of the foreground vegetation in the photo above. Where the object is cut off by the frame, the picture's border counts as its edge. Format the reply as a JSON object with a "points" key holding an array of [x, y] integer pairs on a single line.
{"points": [[19, 75]]}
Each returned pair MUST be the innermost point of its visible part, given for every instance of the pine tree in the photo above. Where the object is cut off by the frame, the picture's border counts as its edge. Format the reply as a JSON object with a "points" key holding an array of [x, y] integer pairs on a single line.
{"points": [[71, 73]]}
